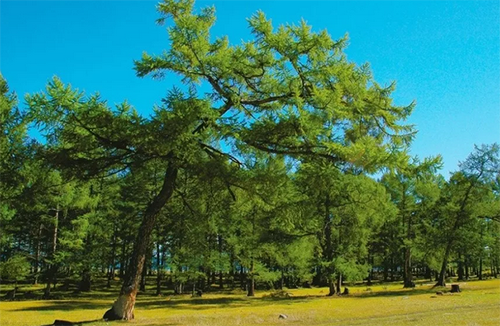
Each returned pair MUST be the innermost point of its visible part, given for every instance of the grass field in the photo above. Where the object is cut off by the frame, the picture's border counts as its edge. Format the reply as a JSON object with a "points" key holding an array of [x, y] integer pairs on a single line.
{"points": [[477, 304]]}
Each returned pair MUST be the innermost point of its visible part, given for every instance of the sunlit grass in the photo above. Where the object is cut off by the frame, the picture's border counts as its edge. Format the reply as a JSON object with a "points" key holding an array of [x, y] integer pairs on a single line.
{"points": [[385, 304]]}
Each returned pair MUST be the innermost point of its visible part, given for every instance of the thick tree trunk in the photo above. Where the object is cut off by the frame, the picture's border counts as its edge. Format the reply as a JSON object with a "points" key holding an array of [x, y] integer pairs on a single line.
{"points": [[331, 286], [408, 275], [123, 308], [86, 282], [442, 274]]}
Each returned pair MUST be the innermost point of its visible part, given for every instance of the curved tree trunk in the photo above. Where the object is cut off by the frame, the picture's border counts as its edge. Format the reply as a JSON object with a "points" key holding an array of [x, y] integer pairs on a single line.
{"points": [[442, 274], [123, 307]]}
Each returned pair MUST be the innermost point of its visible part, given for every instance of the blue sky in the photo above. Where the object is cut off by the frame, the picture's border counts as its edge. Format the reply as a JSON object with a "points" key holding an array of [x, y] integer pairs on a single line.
{"points": [[443, 54]]}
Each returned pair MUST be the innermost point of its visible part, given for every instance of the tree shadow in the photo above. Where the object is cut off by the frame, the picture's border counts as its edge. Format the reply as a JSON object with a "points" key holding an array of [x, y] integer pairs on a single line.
{"points": [[67, 305], [78, 323], [211, 303], [397, 293], [75, 323]]}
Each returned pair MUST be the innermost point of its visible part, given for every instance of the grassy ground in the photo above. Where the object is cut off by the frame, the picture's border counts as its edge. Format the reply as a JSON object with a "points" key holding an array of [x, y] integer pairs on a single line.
{"points": [[478, 304]]}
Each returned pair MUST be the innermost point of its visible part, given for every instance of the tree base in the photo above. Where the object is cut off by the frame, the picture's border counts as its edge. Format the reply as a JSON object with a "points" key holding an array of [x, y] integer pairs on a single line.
{"points": [[123, 308]]}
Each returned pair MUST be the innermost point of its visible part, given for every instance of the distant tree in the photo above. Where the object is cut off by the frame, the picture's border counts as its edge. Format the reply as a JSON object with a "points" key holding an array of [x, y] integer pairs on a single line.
{"points": [[16, 268], [348, 208], [414, 192], [13, 157], [465, 193]]}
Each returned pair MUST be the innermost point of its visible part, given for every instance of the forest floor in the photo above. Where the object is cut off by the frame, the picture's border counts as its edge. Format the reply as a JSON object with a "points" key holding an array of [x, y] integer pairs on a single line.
{"points": [[385, 304]]}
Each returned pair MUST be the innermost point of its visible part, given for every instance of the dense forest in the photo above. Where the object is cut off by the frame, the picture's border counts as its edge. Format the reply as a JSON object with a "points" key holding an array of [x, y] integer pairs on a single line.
{"points": [[276, 163]]}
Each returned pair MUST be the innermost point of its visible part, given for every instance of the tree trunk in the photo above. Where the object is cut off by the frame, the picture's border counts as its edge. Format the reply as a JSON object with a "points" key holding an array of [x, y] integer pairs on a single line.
{"points": [[331, 286], [231, 272], [339, 283], [142, 286], [51, 270], [282, 279], [159, 269], [408, 275], [460, 270], [370, 261], [251, 281], [480, 271], [328, 245], [441, 281], [123, 307], [111, 274], [221, 271], [37, 255], [442, 274], [243, 278], [86, 282]]}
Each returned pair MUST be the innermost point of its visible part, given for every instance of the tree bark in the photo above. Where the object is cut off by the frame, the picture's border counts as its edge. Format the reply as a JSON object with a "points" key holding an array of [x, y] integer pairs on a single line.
{"points": [[331, 286], [123, 307]]}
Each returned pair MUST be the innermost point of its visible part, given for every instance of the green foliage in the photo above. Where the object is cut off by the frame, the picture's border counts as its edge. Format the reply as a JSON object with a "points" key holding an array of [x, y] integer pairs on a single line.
{"points": [[16, 268], [272, 142]]}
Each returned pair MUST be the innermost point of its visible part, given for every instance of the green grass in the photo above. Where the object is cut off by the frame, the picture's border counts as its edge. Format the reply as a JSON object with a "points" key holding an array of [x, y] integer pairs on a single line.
{"points": [[478, 304]]}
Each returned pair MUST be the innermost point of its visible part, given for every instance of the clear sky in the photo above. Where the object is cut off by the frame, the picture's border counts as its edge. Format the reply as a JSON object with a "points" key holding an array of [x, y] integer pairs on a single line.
{"points": [[443, 54]]}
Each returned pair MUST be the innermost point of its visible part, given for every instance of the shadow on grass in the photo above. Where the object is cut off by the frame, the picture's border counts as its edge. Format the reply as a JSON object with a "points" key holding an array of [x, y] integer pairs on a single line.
{"points": [[75, 323], [398, 293], [78, 323], [68, 305], [211, 303]]}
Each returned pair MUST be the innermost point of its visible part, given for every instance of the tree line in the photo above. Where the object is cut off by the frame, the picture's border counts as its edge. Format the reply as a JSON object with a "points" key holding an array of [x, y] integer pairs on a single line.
{"points": [[292, 170]]}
